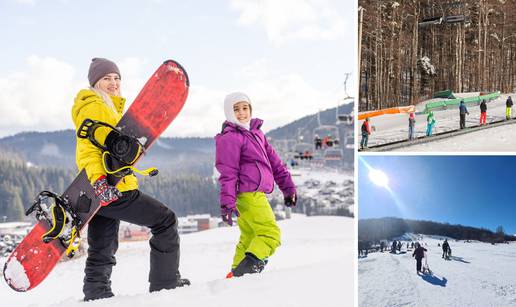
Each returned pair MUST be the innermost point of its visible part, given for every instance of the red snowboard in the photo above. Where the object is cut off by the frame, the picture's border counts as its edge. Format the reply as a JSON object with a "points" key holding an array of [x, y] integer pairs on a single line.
{"points": [[156, 106]]}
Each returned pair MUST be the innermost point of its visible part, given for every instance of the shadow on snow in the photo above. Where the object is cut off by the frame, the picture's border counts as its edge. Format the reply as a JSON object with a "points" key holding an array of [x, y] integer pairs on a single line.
{"points": [[434, 280]]}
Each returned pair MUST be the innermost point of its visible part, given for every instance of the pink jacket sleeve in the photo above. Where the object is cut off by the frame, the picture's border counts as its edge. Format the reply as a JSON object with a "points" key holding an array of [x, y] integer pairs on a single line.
{"points": [[227, 162], [280, 172]]}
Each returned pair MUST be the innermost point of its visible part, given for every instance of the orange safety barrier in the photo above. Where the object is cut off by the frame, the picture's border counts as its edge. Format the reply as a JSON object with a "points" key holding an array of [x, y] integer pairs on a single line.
{"points": [[395, 110]]}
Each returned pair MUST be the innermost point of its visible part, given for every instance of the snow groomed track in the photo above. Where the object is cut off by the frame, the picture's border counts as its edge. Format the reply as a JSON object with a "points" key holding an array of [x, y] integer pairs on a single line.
{"points": [[438, 136]]}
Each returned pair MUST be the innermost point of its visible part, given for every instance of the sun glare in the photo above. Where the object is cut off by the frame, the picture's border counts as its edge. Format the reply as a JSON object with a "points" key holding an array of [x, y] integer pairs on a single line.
{"points": [[378, 177]]}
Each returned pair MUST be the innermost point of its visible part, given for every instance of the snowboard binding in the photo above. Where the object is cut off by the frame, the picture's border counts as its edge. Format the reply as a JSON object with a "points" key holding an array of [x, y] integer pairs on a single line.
{"points": [[64, 222], [122, 148]]}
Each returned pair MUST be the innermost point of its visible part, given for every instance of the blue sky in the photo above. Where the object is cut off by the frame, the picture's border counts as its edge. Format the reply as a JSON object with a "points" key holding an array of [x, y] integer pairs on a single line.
{"points": [[469, 190], [289, 56]]}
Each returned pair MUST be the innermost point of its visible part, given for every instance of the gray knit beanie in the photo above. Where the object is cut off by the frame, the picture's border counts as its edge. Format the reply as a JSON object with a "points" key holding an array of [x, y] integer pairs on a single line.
{"points": [[100, 67]]}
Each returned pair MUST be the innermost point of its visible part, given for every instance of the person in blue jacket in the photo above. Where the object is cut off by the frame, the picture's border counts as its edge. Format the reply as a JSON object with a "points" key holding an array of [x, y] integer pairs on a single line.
{"points": [[462, 112]]}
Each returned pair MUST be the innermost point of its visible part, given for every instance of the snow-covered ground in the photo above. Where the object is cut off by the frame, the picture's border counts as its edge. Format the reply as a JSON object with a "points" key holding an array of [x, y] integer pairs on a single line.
{"points": [[329, 187], [500, 139], [478, 274], [394, 127], [312, 267]]}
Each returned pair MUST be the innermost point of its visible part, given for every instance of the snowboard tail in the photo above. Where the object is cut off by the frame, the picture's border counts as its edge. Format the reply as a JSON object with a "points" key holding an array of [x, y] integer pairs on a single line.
{"points": [[155, 107], [32, 260]]}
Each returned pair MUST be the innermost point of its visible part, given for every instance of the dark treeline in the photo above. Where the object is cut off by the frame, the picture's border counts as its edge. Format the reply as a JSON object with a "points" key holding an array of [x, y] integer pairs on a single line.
{"points": [[20, 183], [389, 227], [403, 62]]}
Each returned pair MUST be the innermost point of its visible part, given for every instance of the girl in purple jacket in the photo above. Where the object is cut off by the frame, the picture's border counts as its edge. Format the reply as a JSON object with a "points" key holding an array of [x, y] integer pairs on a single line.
{"points": [[248, 167]]}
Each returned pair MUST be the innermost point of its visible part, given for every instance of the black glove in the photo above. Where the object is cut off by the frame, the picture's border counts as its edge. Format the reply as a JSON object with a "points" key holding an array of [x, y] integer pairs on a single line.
{"points": [[290, 201]]}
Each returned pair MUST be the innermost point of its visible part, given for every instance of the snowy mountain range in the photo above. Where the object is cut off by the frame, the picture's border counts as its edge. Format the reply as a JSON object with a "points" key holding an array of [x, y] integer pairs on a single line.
{"points": [[184, 155]]}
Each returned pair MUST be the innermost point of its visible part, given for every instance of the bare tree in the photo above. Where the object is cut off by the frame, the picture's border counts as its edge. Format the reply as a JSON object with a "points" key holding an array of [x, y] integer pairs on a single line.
{"points": [[413, 48]]}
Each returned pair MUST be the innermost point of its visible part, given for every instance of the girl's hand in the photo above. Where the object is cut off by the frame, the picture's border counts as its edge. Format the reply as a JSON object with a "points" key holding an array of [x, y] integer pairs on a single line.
{"points": [[291, 200], [227, 212]]}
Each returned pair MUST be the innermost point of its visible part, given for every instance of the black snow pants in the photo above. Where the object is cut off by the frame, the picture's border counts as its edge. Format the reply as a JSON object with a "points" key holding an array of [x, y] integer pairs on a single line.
{"points": [[462, 121], [418, 264], [137, 208]]}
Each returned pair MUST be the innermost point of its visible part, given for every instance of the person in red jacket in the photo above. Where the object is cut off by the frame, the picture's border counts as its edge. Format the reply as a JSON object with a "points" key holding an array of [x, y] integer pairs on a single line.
{"points": [[366, 131]]}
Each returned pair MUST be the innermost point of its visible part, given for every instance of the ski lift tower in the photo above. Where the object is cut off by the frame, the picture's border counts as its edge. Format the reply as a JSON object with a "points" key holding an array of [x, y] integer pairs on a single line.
{"points": [[348, 120], [342, 117]]}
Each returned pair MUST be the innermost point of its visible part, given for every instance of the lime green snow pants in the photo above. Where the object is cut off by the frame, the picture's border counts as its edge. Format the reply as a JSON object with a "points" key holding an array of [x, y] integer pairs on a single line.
{"points": [[259, 233], [508, 113]]}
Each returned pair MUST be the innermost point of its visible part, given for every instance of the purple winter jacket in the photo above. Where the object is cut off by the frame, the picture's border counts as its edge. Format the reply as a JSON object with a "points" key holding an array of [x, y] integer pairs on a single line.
{"points": [[247, 163]]}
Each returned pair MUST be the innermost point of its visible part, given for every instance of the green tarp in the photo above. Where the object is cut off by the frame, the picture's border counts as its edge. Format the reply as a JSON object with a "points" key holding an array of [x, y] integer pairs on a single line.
{"points": [[444, 94], [451, 103]]}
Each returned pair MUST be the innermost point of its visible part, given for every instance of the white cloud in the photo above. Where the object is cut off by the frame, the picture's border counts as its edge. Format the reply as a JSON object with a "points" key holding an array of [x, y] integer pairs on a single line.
{"points": [[293, 19], [278, 99], [40, 97], [282, 98]]}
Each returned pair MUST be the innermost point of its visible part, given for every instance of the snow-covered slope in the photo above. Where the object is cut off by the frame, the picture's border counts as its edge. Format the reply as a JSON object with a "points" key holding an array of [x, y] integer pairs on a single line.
{"points": [[500, 139], [389, 128], [478, 274], [313, 267], [328, 188]]}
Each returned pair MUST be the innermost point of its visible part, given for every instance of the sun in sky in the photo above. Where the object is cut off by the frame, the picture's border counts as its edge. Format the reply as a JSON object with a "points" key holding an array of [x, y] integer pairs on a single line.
{"points": [[379, 178]]}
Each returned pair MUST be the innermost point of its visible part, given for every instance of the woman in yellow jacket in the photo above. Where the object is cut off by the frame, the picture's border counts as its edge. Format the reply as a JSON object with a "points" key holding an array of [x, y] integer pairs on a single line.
{"points": [[103, 102]]}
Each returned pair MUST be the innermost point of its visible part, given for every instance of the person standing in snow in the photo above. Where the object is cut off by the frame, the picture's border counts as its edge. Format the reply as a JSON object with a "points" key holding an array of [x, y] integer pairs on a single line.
{"points": [[411, 127], [318, 142], [248, 167], [430, 122], [446, 248], [508, 108], [419, 254], [462, 112], [366, 131], [394, 246], [103, 102], [483, 112]]}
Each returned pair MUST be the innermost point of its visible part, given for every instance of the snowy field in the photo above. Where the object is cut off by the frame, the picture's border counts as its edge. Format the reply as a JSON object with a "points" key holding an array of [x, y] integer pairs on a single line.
{"points": [[478, 274], [313, 267], [394, 127], [500, 139]]}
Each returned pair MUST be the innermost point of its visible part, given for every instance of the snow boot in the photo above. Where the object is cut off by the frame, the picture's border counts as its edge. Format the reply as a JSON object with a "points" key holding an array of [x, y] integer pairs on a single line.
{"points": [[98, 297], [249, 265]]}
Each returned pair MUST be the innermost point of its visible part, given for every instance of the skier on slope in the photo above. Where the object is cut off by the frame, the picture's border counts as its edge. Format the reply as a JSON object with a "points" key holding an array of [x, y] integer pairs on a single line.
{"points": [[483, 112], [446, 248], [412, 128], [508, 108], [419, 254], [394, 246], [462, 112], [103, 102], [366, 131], [430, 123], [248, 167]]}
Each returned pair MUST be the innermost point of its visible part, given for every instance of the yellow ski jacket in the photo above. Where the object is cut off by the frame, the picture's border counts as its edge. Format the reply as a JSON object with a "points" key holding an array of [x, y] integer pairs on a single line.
{"points": [[87, 156]]}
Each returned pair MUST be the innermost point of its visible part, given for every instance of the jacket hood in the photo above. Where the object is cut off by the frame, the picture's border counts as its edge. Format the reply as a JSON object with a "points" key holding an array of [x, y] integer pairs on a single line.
{"points": [[87, 96], [229, 102]]}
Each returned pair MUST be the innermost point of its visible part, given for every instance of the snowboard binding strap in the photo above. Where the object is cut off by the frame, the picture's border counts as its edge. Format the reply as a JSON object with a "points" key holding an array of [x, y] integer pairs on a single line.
{"points": [[124, 149], [63, 220]]}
